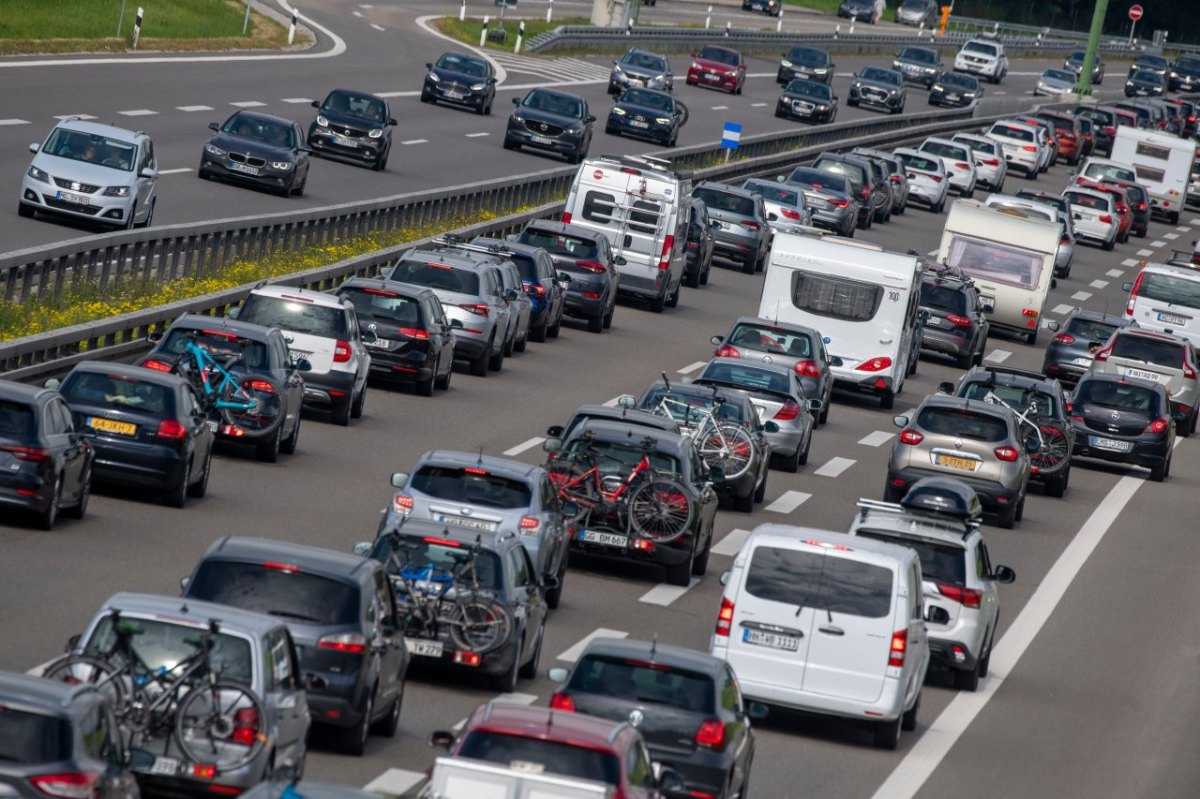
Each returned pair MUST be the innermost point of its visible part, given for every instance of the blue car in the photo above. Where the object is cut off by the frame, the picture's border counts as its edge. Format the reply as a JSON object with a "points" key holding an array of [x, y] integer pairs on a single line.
{"points": [[544, 285]]}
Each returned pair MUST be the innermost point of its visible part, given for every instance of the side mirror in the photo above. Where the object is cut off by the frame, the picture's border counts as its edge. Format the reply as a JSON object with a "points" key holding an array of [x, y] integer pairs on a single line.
{"points": [[510, 294], [724, 578], [1003, 574], [924, 316], [184, 582], [589, 119], [1127, 286], [836, 361], [399, 479], [441, 739], [368, 333], [772, 217], [552, 444], [148, 173], [214, 126], [937, 615], [233, 312], [900, 420], [757, 711], [303, 364], [34, 147], [716, 340], [549, 582], [558, 674], [715, 224], [317, 103], [815, 405], [555, 431], [362, 548], [771, 427], [1052, 325], [456, 324], [53, 382], [619, 260], [627, 401], [569, 509], [392, 122], [988, 304], [516, 101], [716, 474], [155, 337], [428, 65], [945, 387], [564, 278], [72, 642]]}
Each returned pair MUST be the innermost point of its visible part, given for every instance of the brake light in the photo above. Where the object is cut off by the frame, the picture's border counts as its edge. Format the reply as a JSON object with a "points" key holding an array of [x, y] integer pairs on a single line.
{"points": [[475, 470], [157, 366], [896, 178], [171, 429], [750, 224], [1065, 338], [1065, 240], [1158, 426], [441, 542], [528, 523], [790, 410], [969, 597], [865, 193], [911, 437], [1030, 312], [561, 701], [807, 369], [352, 643], [958, 321], [67, 785], [1110, 130], [341, 352], [1029, 148], [936, 178], [414, 332], [664, 261], [566, 217], [1141, 206], [991, 162], [711, 734], [961, 165], [204, 771], [1122, 209], [592, 266], [477, 308], [379, 292], [725, 617], [875, 364], [1006, 454], [898, 648], [788, 213], [535, 290], [1106, 219], [245, 726], [726, 351], [286, 568], [29, 454], [402, 503], [1137, 284], [839, 203]]}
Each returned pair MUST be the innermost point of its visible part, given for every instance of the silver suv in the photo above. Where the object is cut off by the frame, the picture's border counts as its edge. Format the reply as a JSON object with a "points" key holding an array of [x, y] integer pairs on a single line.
{"points": [[939, 518], [87, 170], [1163, 358], [975, 442], [744, 235]]}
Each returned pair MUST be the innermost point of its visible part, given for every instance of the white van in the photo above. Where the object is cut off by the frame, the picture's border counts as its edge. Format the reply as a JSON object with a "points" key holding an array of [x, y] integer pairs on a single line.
{"points": [[1010, 254], [1166, 297], [827, 623], [1163, 164], [865, 301], [640, 205]]}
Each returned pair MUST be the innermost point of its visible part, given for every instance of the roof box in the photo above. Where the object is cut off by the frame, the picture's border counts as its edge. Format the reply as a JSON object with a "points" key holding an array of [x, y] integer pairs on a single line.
{"points": [[944, 496]]}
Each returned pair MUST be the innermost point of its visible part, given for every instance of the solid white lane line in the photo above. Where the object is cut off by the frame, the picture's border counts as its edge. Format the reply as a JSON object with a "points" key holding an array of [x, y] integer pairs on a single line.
{"points": [[193, 108], [297, 100], [415, 141], [1129, 262], [1170, 236], [378, 27], [1158, 243], [572, 654], [524, 445], [357, 13], [394, 782], [691, 367], [835, 467], [17, 121], [476, 135], [76, 116], [1099, 284], [663, 594], [1114, 273], [1145, 253], [138, 112], [1082, 295], [998, 356], [731, 543], [175, 171], [247, 104], [935, 743], [788, 502], [1062, 308], [876, 439]]}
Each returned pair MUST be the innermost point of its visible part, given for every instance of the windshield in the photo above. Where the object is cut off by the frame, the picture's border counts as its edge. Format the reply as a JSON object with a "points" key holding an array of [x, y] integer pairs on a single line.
{"points": [[1187, 62], [536, 756], [295, 315], [1146, 76], [560, 243], [472, 486], [983, 48], [164, 644], [809, 88], [719, 54], [1060, 75], [1011, 132], [443, 554], [808, 57], [643, 682], [219, 344], [656, 100], [355, 105], [881, 75], [644, 61], [118, 392], [464, 65], [562, 105], [1077, 57], [383, 304], [277, 589], [776, 193], [919, 54], [265, 131], [1152, 61], [963, 424], [436, 276], [720, 201], [943, 298], [992, 261], [744, 374], [91, 149], [963, 81]]}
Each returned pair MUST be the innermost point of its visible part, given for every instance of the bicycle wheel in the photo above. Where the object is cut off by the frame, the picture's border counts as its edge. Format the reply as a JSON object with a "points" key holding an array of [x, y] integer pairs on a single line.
{"points": [[659, 509], [86, 670], [1055, 449], [569, 481], [729, 447], [479, 624], [220, 723], [186, 368], [254, 403]]}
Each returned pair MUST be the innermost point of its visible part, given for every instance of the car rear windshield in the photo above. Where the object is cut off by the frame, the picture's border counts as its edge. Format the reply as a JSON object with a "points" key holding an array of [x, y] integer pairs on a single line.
{"points": [[855, 173], [277, 589], [1169, 288], [943, 298], [941, 563], [398, 552], [436, 276], [17, 421], [472, 485], [747, 376], [560, 243], [1090, 329], [1088, 201], [776, 193], [1150, 350], [1101, 171], [618, 458], [771, 339], [922, 163], [163, 643], [805, 579], [945, 150], [640, 681], [29, 739], [1121, 396], [296, 315], [219, 344], [1037, 403], [536, 756], [721, 201], [1011, 132], [96, 389], [689, 409], [383, 304], [818, 179], [835, 297], [962, 423], [993, 261]]}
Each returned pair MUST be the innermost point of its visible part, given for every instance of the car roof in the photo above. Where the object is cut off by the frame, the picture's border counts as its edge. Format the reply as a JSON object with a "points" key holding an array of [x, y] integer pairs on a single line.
{"points": [[1007, 376], [566, 227], [1098, 316], [791, 327], [636, 416], [304, 295], [904, 523], [246, 330], [725, 187], [129, 371], [654, 652], [306, 559], [1087, 377], [787, 536], [259, 115], [692, 390], [191, 611], [546, 724], [961, 403], [514, 247], [99, 128], [508, 467], [742, 363], [305, 789], [613, 431], [1157, 335], [21, 392], [395, 286]]}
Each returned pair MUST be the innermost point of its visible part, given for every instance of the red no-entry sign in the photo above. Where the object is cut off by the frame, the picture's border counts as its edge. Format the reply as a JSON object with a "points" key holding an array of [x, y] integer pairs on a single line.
{"points": [[1135, 13]]}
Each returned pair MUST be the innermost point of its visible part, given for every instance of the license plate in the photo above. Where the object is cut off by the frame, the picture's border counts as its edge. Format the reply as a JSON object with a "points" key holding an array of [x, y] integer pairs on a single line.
{"points": [[165, 765], [759, 638], [248, 170], [379, 343], [541, 140], [429, 649], [962, 464], [933, 321], [78, 199], [455, 95], [636, 124], [112, 426], [460, 521], [1109, 444], [1143, 374], [606, 539], [952, 97], [1171, 319], [1082, 362], [710, 76], [803, 109], [213, 425], [344, 142]]}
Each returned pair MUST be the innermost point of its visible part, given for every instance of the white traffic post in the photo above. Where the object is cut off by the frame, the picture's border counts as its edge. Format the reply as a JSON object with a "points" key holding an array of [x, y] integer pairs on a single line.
{"points": [[520, 36], [137, 27], [462, 11], [779, 21], [246, 21], [852, 20], [292, 27], [629, 27], [708, 19], [728, 25], [549, 9], [483, 33], [837, 31]]}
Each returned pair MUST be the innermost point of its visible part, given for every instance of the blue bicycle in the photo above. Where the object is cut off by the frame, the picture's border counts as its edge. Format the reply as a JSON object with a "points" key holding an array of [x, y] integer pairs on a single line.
{"points": [[248, 402]]}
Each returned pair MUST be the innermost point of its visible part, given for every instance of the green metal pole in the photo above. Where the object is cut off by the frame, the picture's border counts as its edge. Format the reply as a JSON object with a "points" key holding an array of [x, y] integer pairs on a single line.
{"points": [[1084, 86]]}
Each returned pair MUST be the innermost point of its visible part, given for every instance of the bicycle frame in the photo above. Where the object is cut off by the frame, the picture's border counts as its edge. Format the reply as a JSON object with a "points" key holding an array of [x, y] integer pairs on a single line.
{"points": [[593, 474], [992, 399], [205, 364]]}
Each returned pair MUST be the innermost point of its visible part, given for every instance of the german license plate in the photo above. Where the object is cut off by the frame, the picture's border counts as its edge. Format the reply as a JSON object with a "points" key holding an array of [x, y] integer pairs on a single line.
{"points": [[636, 124], [1082, 361], [933, 321], [953, 97], [606, 539], [165, 765], [1109, 444], [213, 425], [234, 166], [953, 462], [802, 109], [759, 638], [379, 343], [344, 142], [462, 521], [1171, 319], [455, 95], [111, 426], [78, 199], [710, 76], [428, 649], [1143, 374], [541, 140]]}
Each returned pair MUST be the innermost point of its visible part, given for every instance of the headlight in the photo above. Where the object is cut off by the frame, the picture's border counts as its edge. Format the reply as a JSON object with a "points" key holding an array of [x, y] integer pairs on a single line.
{"points": [[38, 174], [618, 111], [662, 79], [1129, 84], [282, 166], [478, 87], [895, 65], [116, 191], [820, 70], [938, 88], [433, 76], [212, 149], [1173, 74], [732, 73], [785, 63], [322, 121], [696, 66], [663, 120], [574, 131], [617, 68], [516, 117], [375, 133]]}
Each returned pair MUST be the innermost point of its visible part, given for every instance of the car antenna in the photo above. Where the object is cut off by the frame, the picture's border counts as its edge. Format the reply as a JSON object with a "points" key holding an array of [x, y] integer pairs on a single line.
{"points": [[666, 382], [654, 647], [479, 460]]}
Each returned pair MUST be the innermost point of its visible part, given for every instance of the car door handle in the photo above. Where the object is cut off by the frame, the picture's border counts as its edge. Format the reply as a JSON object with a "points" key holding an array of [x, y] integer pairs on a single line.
{"points": [[829, 629]]}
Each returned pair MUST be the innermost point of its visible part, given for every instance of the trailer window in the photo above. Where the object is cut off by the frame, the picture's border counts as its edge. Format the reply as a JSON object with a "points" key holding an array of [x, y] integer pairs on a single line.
{"points": [[992, 261], [1149, 174], [835, 297]]}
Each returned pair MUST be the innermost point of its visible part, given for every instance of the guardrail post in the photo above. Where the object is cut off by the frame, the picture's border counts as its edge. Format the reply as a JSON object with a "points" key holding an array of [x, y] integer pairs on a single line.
{"points": [[708, 19], [851, 26], [629, 28], [837, 31], [462, 11], [779, 20], [549, 9], [520, 36], [483, 33], [728, 25]]}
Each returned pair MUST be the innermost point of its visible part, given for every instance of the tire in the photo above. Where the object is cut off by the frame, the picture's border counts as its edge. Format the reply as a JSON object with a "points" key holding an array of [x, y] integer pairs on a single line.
{"points": [[700, 562], [887, 401], [761, 492], [340, 413], [130, 223], [424, 388], [299, 190], [673, 300], [538, 334], [1007, 517], [353, 740], [268, 451], [47, 518], [680, 575], [908, 722], [506, 683], [692, 281], [967, 679], [555, 328], [79, 509], [149, 220], [386, 727], [510, 346], [479, 364], [288, 446], [886, 734], [658, 303], [25, 211], [985, 662], [595, 324], [749, 264], [554, 596], [1108, 245], [360, 402], [744, 504], [823, 419], [443, 383], [195, 735], [176, 496], [529, 671], [1159, 473], [790, 463], [660, 510], [496, 362], [608, 317], [262, 393], [87, 670]]}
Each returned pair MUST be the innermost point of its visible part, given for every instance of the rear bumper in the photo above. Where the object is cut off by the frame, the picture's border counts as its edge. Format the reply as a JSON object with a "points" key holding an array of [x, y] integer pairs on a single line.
{"points": [[671, 554], [993, 496], [327, 389], [952, 654], [152, 470]]}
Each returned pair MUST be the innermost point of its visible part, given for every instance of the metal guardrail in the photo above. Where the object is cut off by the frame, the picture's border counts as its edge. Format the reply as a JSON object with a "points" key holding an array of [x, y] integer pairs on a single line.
{"points": [[50, 354], [975, 25]]}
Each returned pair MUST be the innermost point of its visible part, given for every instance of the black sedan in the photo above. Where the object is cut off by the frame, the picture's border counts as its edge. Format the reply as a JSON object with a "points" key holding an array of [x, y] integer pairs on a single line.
{"points": [[807, 101], [258, 149], [45, 462], [1123, 420], [461, 79], [686, 704], [880, 88], [1145, 83], [408, 334], [920, 65], [353, 125], [1069, 354], [148, 428], [551, 121], [955, 90], [769, 7], [861, 10], [805, 62], [647, 114]]}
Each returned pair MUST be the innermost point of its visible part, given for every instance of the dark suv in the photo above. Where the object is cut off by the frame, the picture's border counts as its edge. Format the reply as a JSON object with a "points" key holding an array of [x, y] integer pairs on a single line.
{"points": [[957, 325], [1069, 354], [341, 613], [873, 199], [545, 286], [587, 258], [60, 741]]}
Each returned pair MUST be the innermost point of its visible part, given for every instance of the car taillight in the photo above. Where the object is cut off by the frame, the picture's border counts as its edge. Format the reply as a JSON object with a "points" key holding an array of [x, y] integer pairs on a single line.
{"points": [[561, 701], [726, 351], [592, 266], [528, 523], [790, 410], [477, 308], [896, 178], [898, 648], [402, 503], [67, 785], [711, 734], [1188, 371], [936, 178], [1065, 240], [1029, 148], [245, 726], [1158, 426], [750, 224], [911, 437], [725, 617], [157, 366], [961, 165], [1106, 219], [1110, 130], [30, 454], [664, 260], [415, 332], [788, 213], [969, 597], [991, 162], [1137, 284], [1102, 355], [1065, 338], [1006, 454], [1122, 209], [865, 193], [807, 369], [341, 352], [958, 321], [839, 203], [566, 217], [353, 643], [875, 364], [535, 290], [171, 429]]}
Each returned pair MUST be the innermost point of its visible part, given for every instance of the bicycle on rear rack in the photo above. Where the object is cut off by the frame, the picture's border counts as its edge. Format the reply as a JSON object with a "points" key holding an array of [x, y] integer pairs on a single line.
{"points": [[251, 401]]}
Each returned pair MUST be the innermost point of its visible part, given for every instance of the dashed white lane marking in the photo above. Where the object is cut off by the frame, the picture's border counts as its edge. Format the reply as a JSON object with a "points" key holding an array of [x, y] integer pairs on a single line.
{"points": [[378, 27], [1145, 253], [16, 121], [788, 502], [1170, 236], [1158, 243], [572, 654], [476, 135], [1062, 308], [1082, 295], [193, 108], [731, 544], [76, 116], [357, 13], [720, 108], [1099, 284], [612, 403], [1114, 273], [759, 105], [998, 356], [524, 445], [876, 439], [394, 782], [175, 171], [415, 141], [1129, 262], [138, 112], [691, 367], [1183, 228], [247, 104], [835, 467], [297, 100], [998, 94], [664, 594]]}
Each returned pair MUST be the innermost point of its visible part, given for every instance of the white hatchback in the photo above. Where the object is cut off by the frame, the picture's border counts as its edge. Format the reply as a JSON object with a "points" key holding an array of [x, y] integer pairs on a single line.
{"points": [[990, 165], [958, 160], [1094, 214], [927, 179], [1020, 144]]}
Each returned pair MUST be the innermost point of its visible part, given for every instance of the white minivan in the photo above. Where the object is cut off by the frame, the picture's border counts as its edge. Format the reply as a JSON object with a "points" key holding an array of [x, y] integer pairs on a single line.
{"points": [[865, 301], [827, 623]]}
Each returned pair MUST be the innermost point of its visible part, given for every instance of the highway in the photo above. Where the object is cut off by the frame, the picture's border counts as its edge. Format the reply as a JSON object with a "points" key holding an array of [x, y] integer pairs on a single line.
{"points": [[1091, 689]]}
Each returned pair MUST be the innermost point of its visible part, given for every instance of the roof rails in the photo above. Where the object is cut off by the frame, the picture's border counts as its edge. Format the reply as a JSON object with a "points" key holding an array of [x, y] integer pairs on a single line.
{"points": [[1012, 370], [867, 506], [1184, 258], [647, 162], [459, 243]]}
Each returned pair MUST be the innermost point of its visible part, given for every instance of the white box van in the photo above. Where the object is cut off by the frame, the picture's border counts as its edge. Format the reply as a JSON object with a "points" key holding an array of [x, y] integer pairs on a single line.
{"points": [[640, 205], [863, 299], [1163, 164], [1010, 255], [827, 623], [1166, 297]]}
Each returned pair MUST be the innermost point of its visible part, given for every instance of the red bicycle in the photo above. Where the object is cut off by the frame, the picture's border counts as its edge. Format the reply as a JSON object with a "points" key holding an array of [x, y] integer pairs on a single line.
{"points": [[652, 504]]}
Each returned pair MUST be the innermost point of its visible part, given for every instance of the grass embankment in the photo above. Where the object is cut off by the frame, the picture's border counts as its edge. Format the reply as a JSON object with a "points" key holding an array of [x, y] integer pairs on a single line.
{"points": [[78, 26], [470, 29]]}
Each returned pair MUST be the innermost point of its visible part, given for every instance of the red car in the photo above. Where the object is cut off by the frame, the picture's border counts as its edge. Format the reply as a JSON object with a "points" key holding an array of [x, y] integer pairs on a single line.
{"points": [[1068, 134], [718, 68], [1124, 210], [563, 743]]}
